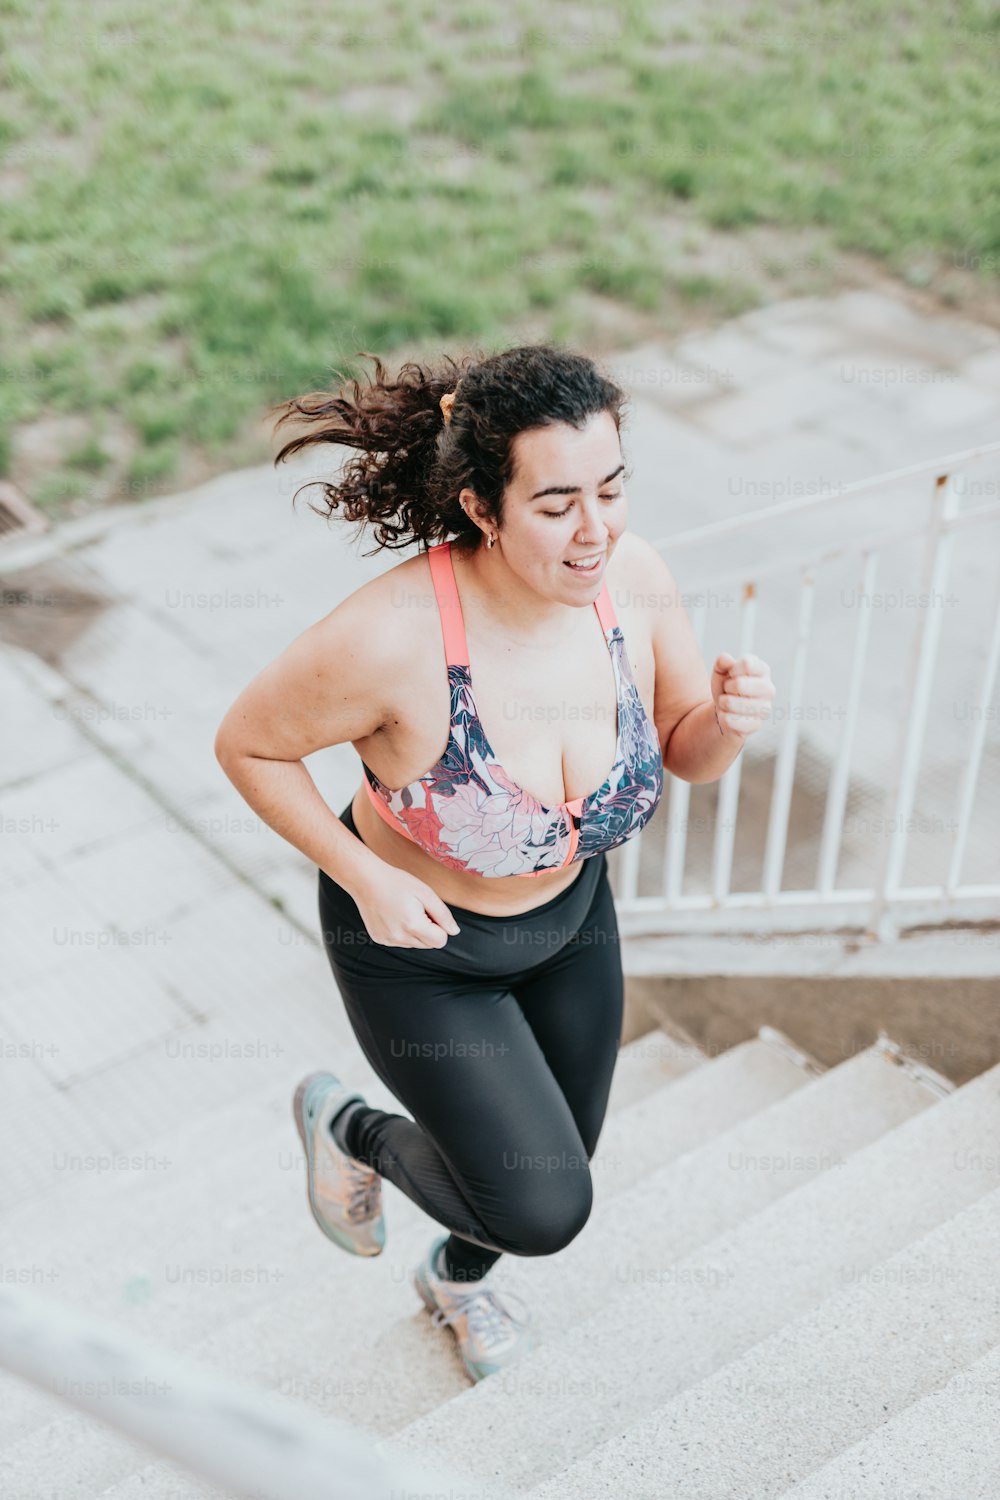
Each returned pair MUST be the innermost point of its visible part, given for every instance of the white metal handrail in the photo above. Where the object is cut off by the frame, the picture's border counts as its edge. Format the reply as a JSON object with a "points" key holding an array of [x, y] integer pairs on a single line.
{"points": [[949, 464], [259, 1445], [881, 907]]}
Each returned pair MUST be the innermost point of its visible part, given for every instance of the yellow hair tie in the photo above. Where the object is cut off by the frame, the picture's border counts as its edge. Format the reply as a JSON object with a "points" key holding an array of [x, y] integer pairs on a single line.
{"points": [[446, 403]]}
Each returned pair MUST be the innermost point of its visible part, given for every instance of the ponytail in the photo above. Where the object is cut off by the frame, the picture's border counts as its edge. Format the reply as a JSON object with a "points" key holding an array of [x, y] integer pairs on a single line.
{"points": [[411, 465]]}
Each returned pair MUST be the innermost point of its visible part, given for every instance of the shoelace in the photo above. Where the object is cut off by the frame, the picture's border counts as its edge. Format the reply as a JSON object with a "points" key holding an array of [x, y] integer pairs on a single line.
{"points": [[366, 1187], [488, 1318]]}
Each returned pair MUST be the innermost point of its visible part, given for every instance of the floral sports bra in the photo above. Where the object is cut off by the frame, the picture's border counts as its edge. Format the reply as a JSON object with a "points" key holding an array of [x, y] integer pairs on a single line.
{"points": [[466, 811]]}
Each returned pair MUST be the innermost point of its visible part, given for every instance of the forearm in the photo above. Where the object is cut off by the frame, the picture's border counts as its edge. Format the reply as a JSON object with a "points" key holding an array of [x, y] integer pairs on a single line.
{"points": [[285, 797], [697, 751]]}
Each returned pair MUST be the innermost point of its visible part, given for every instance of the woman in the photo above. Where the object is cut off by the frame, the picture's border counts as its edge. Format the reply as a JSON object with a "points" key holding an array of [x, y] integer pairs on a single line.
{"points": [[490, 1007]]}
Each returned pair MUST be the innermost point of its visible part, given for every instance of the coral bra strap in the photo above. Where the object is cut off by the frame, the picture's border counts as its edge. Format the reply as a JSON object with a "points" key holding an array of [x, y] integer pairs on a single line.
{"points": [[456, 648], [605, 610], [456, 651]]}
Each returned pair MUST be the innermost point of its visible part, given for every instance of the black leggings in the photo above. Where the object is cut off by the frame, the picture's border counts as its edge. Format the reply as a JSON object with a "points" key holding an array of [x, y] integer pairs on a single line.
{"points": [[501, 1045]]}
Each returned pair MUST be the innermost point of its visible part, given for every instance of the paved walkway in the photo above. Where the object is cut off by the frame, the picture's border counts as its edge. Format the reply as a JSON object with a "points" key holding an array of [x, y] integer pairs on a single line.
{"points": [[160, 953]]}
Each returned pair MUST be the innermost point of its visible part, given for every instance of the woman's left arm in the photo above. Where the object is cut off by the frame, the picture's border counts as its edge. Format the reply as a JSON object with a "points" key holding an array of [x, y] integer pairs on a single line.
{"points": [[702, 722]]}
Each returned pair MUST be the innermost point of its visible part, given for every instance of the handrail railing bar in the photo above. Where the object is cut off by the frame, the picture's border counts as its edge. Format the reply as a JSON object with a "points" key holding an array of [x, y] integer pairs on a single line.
{"points": [[970, 774], [727, 803], [845, 491], [849, 548], [836, 797], [784, 771], [256, 1443], [757, 899], [680, 800], [628, 866], [906, 767]]}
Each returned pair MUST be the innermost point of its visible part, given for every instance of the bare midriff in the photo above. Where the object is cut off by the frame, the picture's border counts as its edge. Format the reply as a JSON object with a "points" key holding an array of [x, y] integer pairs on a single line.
{"points": [[492, 896]]}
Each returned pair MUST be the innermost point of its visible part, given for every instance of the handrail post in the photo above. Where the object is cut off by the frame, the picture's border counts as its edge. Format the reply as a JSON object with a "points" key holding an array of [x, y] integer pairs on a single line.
{"points": [[906, 762], [970, 775], [729, 783]]}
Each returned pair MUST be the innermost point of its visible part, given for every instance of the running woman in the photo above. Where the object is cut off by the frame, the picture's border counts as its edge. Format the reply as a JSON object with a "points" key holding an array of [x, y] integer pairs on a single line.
{"points": [[515, 691]]}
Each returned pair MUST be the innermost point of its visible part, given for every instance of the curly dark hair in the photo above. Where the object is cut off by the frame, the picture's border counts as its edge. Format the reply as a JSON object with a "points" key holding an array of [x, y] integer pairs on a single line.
{"points": [[412, 466]]}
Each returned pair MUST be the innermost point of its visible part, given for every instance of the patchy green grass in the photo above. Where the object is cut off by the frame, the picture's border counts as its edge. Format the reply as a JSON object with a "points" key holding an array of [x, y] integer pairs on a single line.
{"points": [[207, 208]]}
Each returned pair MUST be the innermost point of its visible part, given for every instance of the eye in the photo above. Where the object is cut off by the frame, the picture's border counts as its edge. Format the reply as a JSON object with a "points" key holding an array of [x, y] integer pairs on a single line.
{"points": [[555, 514]]}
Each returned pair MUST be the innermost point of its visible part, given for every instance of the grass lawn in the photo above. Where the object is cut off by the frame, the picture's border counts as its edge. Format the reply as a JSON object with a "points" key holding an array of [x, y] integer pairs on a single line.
{"points": [[207, 207]]}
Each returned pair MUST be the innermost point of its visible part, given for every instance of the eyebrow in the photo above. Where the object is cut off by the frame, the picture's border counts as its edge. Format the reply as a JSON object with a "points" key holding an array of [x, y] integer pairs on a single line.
{"points": [[571, 489]]}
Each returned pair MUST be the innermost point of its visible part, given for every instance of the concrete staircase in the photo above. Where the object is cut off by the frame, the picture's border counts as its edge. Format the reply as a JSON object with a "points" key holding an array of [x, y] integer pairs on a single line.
{"points": [[787, 1286]]}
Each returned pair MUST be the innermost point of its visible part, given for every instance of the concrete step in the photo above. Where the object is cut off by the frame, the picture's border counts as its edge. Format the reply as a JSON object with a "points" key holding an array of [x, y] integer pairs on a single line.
{"points": [[689, 1201], [160, 1481], [900, 1330], [134, 1243], [946, 1444], [647, 1062], [699, 1106], [651, 1342], [383, 1346], [213, 1186], [274, 1328], [75, 1454], [142, 1246], [255, 1129], [383, 1338]]}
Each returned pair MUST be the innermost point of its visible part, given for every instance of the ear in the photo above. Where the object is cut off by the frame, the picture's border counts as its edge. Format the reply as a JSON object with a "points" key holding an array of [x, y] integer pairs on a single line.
{"points": [[473, 506]]}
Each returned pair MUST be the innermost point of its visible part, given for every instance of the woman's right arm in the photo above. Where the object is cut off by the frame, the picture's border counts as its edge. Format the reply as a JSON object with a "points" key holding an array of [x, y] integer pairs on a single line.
{"points": [[326, 688], [335, 683]]}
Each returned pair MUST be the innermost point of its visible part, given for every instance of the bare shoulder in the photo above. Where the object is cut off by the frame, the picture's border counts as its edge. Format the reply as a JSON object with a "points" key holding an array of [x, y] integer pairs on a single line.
{"points": [[639, 580], [401, 605], [641, 567], [338, 680], [387, 607], [387, 619]]}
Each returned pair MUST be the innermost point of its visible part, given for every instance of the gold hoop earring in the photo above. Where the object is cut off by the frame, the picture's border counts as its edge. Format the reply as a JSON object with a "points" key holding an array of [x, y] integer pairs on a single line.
{"points": [[490, 539]]}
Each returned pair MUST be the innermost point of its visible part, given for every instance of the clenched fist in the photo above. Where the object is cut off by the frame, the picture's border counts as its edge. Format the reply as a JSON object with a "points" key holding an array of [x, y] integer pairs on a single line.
{"points": [[742, 691]]}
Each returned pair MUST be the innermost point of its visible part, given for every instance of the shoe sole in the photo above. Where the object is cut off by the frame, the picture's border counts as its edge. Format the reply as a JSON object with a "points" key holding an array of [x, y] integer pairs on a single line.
{"points": [[298, 1109]]}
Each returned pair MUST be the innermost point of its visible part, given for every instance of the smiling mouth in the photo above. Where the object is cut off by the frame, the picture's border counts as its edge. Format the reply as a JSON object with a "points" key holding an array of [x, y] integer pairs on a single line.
{"points": [[584, 564]]}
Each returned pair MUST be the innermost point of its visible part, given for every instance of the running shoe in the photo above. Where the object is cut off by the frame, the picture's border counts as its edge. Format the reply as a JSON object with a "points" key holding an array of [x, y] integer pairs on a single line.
{"points": [[345, 1196], [490, 1337]]}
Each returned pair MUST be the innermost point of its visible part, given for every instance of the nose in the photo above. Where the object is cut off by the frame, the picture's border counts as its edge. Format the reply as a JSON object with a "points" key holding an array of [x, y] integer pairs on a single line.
{"points": [[592, 531]]}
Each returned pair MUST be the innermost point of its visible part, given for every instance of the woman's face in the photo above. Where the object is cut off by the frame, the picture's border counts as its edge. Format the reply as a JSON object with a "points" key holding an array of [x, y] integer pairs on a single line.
{"points": [[544, 532]]}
